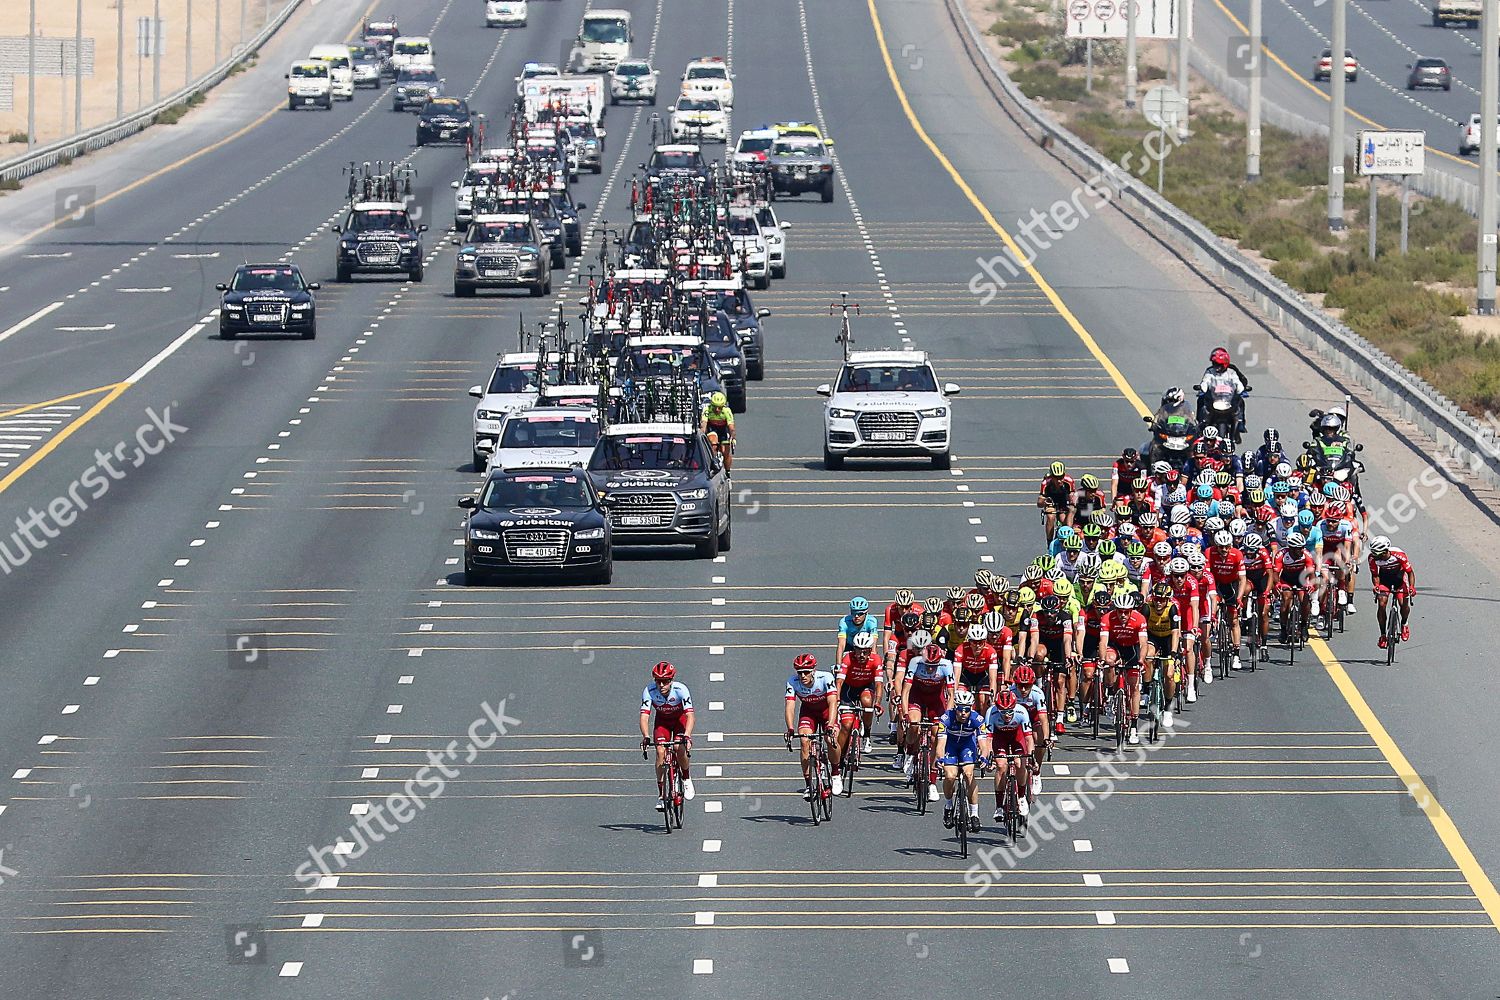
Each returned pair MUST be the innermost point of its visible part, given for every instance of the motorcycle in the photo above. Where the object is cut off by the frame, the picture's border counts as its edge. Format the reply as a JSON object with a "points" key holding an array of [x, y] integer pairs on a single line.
{"points": [[1336, 463], [1171, 443], [1220, 407]]}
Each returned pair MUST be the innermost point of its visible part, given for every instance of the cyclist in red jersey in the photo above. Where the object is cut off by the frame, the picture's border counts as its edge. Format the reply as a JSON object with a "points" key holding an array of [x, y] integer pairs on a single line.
{"points": [[1123, 636], [861, 683], [1391, 572], [1089, 653], [1186, 592], [919, 640], [1297, 569], [1227, 566], [1122, 477], [1208, 605], [672, 707], [905, 603], [978, 665], [1260, 564]]}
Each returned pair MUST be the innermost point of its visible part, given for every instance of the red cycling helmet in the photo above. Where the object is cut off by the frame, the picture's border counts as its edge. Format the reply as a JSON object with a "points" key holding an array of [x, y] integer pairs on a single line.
{"points": [[1219, 357], [932, 653], [1005, 701], [1025, 675], [805, 661], [664, 671]]}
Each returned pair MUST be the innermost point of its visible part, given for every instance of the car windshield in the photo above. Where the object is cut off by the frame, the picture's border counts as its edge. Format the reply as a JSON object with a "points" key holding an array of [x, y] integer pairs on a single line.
{"points": [[604, 31], [252, 278], [310, 71], [742, 225], [632, 69], [538, 70], [887, 378], [419, 76], [674, 160], [1430, 64], [640, 234], [366, 53], [445, 106], [720, 331], [474, 176], [798, 147], [550, 431], [580, 132], [698, 104], [511, 380], [646, 451], [663, 360], [500, 232], [755, 144], [413, 48], [539, 207], [378, 218], [707, 73], [538, 490], [561, 204], [766, 218]]}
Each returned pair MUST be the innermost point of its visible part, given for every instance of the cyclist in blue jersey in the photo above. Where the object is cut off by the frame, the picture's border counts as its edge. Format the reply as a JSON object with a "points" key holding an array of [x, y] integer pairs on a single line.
{"points": [[858, 619], [958, 747]]}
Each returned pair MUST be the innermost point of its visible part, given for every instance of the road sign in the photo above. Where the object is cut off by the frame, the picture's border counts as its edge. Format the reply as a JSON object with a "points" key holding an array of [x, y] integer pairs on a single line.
{"points": [[1106, 18], [147, 45], [1391, 153], [1164, 107]]}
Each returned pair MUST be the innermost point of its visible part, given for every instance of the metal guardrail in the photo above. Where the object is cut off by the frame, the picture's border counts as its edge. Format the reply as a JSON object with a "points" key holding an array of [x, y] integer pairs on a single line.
{"points": [[1474, 446], [74, 146]]}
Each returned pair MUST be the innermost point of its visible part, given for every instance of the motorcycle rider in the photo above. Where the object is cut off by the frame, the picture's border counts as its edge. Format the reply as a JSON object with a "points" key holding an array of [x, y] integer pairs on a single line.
{"points": [[1223, 372], [1171, 420]]}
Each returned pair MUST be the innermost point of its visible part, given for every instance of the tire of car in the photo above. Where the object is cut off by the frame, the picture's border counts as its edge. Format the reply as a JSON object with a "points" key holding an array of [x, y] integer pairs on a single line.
{"points": [[559, 259], [291, 104], [225, 333], [778, 272], [598, 168], [613, 102], [537, 291], [311, 332], [832, 462], [739, 402], [419, 140], [342, 274], [765, 282], [480, 460], [473, 578], [1353, 77], [605, 574], [328, 103], [652, 101], [726, 538], [463, 291], [709, 547], [416, 274], [828, 191], [1447, 86], [575, 249], [943, 461]]}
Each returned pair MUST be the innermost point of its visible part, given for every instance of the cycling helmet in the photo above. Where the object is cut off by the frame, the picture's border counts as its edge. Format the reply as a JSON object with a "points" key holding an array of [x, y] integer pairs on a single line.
{"points": [[932, 652], [1089, 481], [1295, 540], [1162, 550], [1104, 518], [1223, 478], [1181, 515], [1058, 469], [1130, 456], [1031, 573], [1122, 507], [994, 622], [1012, 599], [1107, 549], [1178, 495], [984, 579], [909, 621], [1177, 532], [1072, 543], [1064, 531], [719, 399], [1051, 604], [962, 615], [1092, 531], [1046, 562], [1253, 542], [963, 698], [1272, 436], [1140, 482], [1255, 497], [863, 640], [932, 605], [1283, 469], [1288, 510], [1196, 559], [919, 640], [1210, 433], [929, 620], [1025, 675], [1135, 550], [1254, 482], [858, 605], [1063, 589], [1238, 527], [1317, 501], [1027, 595], [1054, 574], [1113, 572], [1172, 474], [1199, 509], [1379, 545], [1204, 492], [1101, 599], [975, 601], [1160, 469], [1306, 518], [1214, 524], [1223, 539], [1124, 600], [978, 633], [1172, 397], [1147, 518], [1161, 591], [905, 598], [1338, 491], [1088, 564], [1005, 701], [664, 671], [955, 593], [1177, 566], [1265, 513]]}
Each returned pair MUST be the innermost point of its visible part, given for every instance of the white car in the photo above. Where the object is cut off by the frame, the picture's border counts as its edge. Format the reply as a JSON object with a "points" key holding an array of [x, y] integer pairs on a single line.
{"points": [[505, 13], [479, 173], [750, 252], [340, 68], [709, 77], [309, 82], [512, 386], [532, 70], [411, 51], [887, 404], [633, 80], [753, 148], [1468, 136], [773, 230], [699, 119], [550, 436]]}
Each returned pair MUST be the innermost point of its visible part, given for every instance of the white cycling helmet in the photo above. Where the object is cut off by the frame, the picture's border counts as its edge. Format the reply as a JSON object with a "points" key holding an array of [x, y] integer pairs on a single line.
{"points": [[1223, 539], [1178, 565], [863, 640], [1162, 550], [919, 640], [994, 621], [978, 633], [963, 698], [1288, 510], [1379, 545], [1181, 514], [1214, 524]]}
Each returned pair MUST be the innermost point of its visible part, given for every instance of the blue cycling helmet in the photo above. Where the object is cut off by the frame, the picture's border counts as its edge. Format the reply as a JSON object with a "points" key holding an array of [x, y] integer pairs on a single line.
{"points": [[858, 604], [1205, 491], [1306, 518], [1064, 531], [1281, 486]]}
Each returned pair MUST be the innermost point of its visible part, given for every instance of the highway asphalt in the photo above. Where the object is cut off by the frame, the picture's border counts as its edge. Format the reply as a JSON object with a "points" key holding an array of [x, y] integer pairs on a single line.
{"points": [[263, 629]]}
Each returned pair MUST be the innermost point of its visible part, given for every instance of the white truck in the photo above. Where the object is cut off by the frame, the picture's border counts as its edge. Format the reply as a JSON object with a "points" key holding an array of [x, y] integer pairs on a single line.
{"points": [[340, 68], [572, 94], [1465, 12], [309, 82], [603, 40], [411, 51]]}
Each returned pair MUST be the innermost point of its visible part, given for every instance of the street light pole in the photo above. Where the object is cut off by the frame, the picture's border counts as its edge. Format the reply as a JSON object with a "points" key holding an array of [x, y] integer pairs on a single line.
{"points": [[1489, 90], [31, 80], [1252, 124], [156, 40], [77, 69], [1184, 50], [187, 75], [119, 58], [1131, 84], [1336, 121]]}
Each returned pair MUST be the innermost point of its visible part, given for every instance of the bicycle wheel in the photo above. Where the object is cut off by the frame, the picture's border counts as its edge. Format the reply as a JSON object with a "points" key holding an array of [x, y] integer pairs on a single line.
{"points": [[815, 790], [1119, 712], [663, 789], [675, 806], [1153, 708], [1293, 631], [961, 814], [850, 764], [1392, 630], [919, 776], [1096, 703], [1011, 809], [826, 800]]}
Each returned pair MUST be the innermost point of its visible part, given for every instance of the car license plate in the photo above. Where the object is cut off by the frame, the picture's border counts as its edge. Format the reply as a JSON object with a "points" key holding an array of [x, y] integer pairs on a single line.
{"points": [[639, 519], [445, 133], [801, 171], [538, 552], [887, 436]]}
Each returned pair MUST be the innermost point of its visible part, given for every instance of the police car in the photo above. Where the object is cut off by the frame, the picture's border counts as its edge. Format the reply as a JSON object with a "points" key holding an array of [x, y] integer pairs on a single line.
{"points": [[537, 520], [709, 77]]}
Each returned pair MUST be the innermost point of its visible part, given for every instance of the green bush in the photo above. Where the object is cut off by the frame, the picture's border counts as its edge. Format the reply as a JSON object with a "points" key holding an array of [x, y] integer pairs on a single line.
{"points": [[17, 137], [1044, 81]]}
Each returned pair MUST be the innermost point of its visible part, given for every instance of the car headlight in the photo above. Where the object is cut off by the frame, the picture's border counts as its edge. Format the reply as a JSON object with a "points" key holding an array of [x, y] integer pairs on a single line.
{"points": [[468, 257], [484, 534], [350, 244], [588, 534], [491, 414], [698, 494], [936, 411], [530, 254], [232, 307], [301, 306], [838, 414]]}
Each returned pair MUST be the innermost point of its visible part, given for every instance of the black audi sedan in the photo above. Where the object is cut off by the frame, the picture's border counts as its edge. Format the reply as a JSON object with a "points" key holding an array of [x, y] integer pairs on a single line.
{"points": [[268, 298]]}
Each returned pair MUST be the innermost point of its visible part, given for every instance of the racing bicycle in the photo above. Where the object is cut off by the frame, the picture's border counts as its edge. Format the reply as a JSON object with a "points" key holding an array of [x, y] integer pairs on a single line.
{"points": [[853, 753], [819, 779], [1010, 795], [923, 769], [1224, 647], [963, 813], [1392, 625], [669, 784]]}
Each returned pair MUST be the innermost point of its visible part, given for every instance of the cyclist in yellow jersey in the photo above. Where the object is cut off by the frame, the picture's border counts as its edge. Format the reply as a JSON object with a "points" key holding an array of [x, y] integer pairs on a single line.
{"points": [[718, 425], [1163, 638]]}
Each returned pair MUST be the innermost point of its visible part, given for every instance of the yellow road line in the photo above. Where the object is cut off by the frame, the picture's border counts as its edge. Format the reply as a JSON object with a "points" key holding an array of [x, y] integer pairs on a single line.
{"points": [[1442, 824], [112, 392]]}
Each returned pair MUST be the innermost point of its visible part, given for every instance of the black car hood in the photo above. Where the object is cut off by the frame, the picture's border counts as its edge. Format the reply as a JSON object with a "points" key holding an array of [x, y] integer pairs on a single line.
{"points": [[537, 517]]}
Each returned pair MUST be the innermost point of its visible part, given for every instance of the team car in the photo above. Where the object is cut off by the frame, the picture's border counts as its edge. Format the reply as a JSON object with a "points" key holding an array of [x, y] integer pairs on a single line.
{"points": [[547, 436], [773, 230], [368, 61], [753, 148], [726, 345], [445, 119], [1323, 69], [414, 88], [699, 118], [505, 13], [663, 485], [479, 177], [502, 251], [1468, 135], [709, 77], [728, 295], [887, 404], [750, 252], [264, 298], [309, 82], [567, 210], [549, 223], [340, 68], [411, 51], [633, 80], [806, 130], [587, 142], [534, 520], [799, 164], [513, 385], [676, 160], [378, 237]]}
